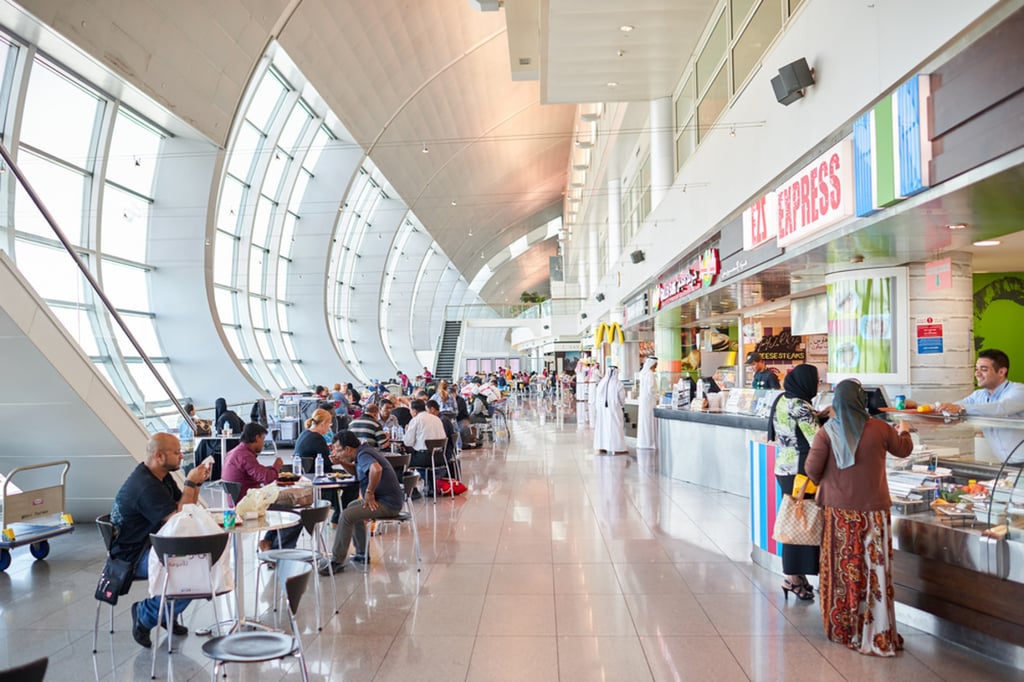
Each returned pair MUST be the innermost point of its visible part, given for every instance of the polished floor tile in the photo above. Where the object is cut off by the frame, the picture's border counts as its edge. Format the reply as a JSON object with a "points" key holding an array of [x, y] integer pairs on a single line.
{"points": [[557, 564]]}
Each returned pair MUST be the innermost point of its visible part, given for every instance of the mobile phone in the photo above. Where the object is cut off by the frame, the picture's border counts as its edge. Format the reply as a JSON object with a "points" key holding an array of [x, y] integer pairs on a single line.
{"points": [[208, 462]]}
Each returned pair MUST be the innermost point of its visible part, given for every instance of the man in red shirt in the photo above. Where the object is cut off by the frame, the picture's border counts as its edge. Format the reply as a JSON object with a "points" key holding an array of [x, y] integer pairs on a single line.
{"points": [[241, 464]]}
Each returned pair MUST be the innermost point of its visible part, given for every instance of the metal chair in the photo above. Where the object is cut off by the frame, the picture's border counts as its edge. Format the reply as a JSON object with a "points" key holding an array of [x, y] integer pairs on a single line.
{"points": [[409, 483], [209, 546], [311, 519], [108, 532], [256, 647], [438, 460]]}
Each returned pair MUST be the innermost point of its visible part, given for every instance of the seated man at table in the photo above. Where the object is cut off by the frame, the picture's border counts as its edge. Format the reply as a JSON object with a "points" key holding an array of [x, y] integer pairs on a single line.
{"points": [[382, 497], [148, 497], [423, 427], [368, 428], [242, 466]]}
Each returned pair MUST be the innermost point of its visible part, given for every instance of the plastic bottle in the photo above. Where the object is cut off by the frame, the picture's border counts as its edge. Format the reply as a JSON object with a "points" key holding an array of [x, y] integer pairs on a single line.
{"points": [[296, 464], [319, 472]]}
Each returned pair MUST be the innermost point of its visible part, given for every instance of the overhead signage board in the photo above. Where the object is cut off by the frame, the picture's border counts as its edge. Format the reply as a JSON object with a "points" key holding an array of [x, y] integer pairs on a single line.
{"points": [[818, 196], [636, 308], [699, 273]]}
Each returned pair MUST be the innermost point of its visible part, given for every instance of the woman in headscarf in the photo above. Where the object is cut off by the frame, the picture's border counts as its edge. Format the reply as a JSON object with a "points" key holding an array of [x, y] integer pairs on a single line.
{"points": [[847, 460], [646, 428], [610, 427], [225, 417], [793, 426]]}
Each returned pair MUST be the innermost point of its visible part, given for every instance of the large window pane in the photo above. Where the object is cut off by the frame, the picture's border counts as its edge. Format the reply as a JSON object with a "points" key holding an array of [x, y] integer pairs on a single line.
{"points": [[60, 116], [684, 102], [320, 141], [713, 104], [293, 128], [275, 169], [256, 309], [235, 341], [248, 143], [131, 161], [257, 269], [225, 302], [686, 142], [229, 208], [147, 383], [263, 341], [278, 372], [51, 271], [282, 278], [762, 29], [265, 101], [63, 193], [740, 9], [298, 190], [125, 222], [126, 286], [712, 53], [78, 323], [224, 259], [261, 221], [287, 230], [142, 329]]}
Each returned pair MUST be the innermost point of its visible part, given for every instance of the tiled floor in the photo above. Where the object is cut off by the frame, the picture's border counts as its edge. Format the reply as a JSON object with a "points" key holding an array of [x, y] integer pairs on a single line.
{"points": [[558, 565]]}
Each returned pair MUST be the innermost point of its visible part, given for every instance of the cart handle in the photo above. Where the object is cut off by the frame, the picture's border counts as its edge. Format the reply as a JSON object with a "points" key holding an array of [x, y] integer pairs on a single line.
{"points": [[63, 474]]}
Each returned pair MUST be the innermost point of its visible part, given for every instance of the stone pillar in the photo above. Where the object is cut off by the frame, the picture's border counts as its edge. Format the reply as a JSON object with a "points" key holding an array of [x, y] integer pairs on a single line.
{"points": [[662, 167]]}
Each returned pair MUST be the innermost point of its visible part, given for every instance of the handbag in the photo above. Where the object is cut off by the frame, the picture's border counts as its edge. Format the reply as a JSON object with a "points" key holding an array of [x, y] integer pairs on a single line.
{"points": [[449, 486], [115, 580], [799, 521]]}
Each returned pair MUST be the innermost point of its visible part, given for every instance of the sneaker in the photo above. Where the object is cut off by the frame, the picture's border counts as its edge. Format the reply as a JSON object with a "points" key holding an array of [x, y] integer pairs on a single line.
{"points": [[139, 633], [332, 567], [360, 558], [177, 629]]}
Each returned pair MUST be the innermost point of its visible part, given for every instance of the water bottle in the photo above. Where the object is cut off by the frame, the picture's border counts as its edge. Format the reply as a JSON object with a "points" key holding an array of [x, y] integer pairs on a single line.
{"points": [[319, 473], [296, 464]]}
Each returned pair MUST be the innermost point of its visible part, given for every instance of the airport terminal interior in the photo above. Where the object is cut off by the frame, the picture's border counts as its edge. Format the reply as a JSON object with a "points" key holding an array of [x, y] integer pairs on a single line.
{"points": [[244, 200]]}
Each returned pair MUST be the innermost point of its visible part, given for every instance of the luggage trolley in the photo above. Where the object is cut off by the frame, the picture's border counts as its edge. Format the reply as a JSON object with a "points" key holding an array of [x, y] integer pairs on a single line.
{"points": [[32, 517]]}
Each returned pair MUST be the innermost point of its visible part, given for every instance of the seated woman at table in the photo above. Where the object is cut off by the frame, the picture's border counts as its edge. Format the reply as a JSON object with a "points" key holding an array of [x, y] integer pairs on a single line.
{"points": [[313, 442], [225, 417], [445, 398]]}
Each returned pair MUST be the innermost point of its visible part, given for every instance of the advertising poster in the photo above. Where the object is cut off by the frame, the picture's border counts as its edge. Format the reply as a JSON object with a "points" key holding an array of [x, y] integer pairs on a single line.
{"points": [[998, 313], [860, 326]]}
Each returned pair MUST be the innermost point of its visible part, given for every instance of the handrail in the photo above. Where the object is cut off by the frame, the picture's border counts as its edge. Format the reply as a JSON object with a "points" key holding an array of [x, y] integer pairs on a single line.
{"points": [[69, 247]]}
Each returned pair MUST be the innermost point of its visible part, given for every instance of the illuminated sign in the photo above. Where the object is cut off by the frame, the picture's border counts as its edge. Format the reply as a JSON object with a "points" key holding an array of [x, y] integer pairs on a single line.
{"points": [[700, 273]]}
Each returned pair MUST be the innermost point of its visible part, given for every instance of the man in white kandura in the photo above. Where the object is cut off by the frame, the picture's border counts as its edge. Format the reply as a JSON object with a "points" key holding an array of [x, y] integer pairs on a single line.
{"points": [[646, 428], [581, 380], [593, 379], [610, 427]]}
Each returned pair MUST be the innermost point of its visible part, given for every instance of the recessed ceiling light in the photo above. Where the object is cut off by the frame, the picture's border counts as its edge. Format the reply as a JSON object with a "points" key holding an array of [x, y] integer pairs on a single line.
{"points": [[612, 84], [454, 203], [626, 28], [957, 226], [987, 242]]}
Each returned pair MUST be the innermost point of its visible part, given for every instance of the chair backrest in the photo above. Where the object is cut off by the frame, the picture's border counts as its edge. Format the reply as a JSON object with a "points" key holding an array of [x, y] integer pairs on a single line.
{"points": [[190, 544], [435, 443], [398, 462], [436, 448], [309, 517], [410, 481], [294, 577], [108, 531], [29, 672]]}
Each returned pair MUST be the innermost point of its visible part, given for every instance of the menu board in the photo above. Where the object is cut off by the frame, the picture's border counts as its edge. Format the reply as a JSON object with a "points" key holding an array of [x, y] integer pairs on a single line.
{"points": [[860, 326]]}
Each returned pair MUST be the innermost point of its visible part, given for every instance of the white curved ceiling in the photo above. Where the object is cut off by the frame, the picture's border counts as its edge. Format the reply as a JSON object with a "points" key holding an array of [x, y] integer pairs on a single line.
{"points": [[406, 75]]}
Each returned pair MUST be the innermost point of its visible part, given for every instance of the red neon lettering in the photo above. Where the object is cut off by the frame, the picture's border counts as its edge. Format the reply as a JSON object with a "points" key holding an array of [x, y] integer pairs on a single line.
{"points": [[836, 196], [813, 178], [823, 188]]}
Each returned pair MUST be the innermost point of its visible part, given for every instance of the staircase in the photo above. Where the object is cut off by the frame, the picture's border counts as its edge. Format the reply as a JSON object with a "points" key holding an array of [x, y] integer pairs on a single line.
{"points": [[449, 345]]}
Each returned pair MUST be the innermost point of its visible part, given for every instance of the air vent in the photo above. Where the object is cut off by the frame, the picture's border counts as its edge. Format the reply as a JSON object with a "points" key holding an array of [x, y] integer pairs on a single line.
{"points": [[525, 61]]}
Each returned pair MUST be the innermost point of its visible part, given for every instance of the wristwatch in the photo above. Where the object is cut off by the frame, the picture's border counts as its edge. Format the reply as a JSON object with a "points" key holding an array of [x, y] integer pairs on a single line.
{"points": [[191, 484]]}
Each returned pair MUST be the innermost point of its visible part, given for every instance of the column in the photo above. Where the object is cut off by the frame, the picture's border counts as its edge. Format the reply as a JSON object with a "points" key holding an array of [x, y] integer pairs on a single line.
{"points": [[662, 171], [668, 346], [614, 221]]}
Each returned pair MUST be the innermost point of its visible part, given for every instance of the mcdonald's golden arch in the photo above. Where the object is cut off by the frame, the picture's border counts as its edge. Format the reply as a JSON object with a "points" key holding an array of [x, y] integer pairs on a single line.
{"points": [[612, 333]]}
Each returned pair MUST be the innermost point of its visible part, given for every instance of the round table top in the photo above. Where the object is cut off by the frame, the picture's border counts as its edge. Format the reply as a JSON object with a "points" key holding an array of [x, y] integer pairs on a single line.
{"points": [[272, 520]]}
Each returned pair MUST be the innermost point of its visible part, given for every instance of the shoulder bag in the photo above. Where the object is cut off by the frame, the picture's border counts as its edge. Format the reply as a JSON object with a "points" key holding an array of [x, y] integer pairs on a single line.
{"points": [[799, 521]]}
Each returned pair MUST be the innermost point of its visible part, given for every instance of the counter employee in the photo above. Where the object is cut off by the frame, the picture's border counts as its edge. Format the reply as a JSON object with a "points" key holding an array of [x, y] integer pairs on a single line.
{"points": [[763, 377], [996, 397]]}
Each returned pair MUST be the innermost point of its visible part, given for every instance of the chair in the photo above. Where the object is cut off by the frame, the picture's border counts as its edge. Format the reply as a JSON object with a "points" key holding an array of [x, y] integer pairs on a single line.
{"points": [[29, 672], [209, 546], [409, 482], [311, 519], [436, 447], [212, 492], [108, 532], [256, 647]]}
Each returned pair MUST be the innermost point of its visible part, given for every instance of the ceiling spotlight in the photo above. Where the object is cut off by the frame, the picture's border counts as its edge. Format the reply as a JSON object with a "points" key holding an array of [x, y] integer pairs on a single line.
{"points": [[425, 150], [612, 84], [987, 242], [453, 202], [584, 144], [626, 28], [957, 226], [620, 53], [732, 131]]}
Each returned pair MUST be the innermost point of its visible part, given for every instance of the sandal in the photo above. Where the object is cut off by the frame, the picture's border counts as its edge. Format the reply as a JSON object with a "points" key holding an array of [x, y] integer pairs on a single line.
{"points": [[802, 590]]}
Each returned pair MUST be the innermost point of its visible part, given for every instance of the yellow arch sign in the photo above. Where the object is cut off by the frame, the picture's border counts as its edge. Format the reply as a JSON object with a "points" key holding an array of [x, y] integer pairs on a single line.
{"points": [[612, 333]]}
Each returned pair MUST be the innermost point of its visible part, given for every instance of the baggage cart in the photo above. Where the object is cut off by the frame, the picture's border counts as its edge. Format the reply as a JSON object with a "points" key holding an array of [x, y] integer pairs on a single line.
{"points": [[32, 517]]}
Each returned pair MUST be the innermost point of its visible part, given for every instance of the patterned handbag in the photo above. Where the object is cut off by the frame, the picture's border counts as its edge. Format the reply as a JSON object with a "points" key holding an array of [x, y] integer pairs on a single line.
{"points": [[799, 521]]}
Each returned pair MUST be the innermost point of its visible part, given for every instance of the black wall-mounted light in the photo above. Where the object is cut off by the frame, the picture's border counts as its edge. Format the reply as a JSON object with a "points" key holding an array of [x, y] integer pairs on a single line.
{"points": [[792, 80], [599, 297], [583, 316], [637, 256]]}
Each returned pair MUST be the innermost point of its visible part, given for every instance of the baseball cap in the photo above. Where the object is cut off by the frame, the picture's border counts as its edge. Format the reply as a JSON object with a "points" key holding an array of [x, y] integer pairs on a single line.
{"points": [[753, 356]]}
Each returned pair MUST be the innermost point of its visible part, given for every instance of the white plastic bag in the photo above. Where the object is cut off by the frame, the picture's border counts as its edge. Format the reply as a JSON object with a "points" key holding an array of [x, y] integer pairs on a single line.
{"points": [[257, 500], [189, 572]]}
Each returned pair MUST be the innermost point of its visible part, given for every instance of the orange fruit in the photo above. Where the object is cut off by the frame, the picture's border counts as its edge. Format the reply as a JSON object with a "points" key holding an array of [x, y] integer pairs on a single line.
{"points": [[924, 408]]}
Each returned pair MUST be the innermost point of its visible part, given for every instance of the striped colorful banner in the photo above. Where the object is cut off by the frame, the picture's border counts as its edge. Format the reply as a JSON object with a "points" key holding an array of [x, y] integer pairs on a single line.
{"points": [[765, 496], [891, 148]]}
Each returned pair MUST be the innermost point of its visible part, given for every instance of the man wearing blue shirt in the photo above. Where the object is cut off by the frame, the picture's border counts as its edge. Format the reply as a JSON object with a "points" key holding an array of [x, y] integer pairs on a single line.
{"points": [[996, 397]]}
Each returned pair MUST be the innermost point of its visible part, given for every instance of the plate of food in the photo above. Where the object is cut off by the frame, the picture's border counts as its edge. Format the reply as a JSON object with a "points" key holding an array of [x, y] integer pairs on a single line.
{"points": [[287, 478]]}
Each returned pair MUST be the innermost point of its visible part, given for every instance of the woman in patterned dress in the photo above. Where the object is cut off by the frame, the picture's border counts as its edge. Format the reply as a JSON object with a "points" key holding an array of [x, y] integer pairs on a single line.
{"points": [[847, 460]]}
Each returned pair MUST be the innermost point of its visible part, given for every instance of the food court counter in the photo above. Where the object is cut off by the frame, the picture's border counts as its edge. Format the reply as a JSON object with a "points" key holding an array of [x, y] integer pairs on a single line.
{"points": [[708, 448]]}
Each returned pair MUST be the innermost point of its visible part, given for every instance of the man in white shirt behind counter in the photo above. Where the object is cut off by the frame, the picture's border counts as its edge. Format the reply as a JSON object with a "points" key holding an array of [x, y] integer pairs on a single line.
{"points": [[996, 397]]}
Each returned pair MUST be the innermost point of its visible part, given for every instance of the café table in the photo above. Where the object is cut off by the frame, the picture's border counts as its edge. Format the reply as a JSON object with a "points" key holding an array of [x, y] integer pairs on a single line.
{"points": [[272, 520]]}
